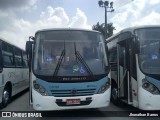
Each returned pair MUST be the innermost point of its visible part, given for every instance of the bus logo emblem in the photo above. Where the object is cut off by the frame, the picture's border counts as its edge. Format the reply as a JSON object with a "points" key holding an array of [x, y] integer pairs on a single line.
{"points": [[73, 92]]}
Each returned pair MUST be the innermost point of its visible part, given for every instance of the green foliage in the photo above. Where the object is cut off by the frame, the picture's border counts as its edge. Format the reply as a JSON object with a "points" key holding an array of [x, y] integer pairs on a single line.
{"points": [[101, 28]]}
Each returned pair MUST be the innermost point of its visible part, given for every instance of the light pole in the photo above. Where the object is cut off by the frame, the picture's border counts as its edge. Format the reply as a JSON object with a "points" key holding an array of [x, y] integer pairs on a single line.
{"points": [[106, 5]]}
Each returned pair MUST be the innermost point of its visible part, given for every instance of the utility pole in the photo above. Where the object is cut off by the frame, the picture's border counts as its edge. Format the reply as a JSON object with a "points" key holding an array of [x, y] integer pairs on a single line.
{"points": [[106, 5]]}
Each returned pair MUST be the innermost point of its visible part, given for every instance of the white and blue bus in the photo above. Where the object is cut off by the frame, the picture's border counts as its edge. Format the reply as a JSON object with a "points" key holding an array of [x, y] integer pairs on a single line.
{"points": [[14, 72], [69, 69], [134, 56]]}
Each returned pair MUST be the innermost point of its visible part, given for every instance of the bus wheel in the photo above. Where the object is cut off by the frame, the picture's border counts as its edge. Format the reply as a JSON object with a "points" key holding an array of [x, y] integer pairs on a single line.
{"points": [[114, 95], [6, 96]]}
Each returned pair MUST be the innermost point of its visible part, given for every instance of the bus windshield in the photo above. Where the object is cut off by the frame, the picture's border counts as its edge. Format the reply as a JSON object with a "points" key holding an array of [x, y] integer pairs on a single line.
{"points": [[149, 56], [69, 53]]}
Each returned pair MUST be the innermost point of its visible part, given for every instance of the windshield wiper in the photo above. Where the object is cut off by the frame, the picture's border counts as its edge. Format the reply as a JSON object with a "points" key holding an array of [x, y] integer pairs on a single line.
{"points": [[59, 61], [80, 58]]}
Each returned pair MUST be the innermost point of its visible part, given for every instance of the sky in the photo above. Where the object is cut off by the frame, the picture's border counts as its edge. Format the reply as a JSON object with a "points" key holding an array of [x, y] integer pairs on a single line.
{"points": [[20, 19]]}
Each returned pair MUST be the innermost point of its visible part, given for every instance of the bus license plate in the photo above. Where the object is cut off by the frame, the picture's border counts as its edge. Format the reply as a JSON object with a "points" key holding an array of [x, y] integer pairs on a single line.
{"points": [[72, 101]]}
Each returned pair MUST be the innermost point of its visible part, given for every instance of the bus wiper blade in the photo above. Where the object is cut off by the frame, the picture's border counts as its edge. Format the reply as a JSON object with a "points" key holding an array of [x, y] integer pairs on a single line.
{"points": [[84, 63], [80, 58], [59, 63]]}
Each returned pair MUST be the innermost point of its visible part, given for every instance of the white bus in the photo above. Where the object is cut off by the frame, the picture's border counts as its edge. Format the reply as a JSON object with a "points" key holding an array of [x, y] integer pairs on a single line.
{"points": [[134, 56], [68, 69], [14, 73]]}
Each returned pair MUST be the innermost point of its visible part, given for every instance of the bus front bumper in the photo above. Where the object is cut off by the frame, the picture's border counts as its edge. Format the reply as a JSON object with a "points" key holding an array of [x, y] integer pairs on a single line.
{"points": [[42, 103], [148, 101]]}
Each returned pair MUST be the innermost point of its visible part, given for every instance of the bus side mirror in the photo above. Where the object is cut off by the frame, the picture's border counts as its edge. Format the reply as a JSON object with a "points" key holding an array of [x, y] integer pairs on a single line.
{"points": [[29, 44], [29, 51], [29, 47], [1, 68]]}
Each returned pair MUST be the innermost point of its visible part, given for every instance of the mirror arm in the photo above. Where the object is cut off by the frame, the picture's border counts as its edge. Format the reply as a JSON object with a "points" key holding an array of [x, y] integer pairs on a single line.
{"points": [[31, 37]]}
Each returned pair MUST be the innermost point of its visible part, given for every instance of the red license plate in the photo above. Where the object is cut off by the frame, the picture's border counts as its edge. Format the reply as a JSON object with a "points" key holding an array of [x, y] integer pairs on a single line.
{"points": [[72, 101]]}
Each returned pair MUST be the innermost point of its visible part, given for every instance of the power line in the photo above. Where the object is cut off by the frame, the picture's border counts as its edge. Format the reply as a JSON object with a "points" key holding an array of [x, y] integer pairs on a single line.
{"points": [[124, 4]]}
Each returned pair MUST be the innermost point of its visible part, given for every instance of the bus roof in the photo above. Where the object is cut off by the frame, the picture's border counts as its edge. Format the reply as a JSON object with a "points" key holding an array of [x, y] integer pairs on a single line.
{"points": [[2, 39], [139, 27], [67, 29], [131, 29]]}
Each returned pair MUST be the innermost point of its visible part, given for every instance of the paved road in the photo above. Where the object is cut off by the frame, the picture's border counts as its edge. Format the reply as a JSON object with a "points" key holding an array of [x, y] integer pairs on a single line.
{"points": [[20, 103]]}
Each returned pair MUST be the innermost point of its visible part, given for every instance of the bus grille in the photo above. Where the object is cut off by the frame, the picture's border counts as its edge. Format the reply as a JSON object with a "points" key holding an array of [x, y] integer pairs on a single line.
{"points": [[66, 93]]}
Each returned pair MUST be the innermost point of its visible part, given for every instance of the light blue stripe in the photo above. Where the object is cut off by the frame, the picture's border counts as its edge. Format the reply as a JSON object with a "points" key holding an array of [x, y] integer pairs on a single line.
{"points": [[70, 86], [154, 82]]}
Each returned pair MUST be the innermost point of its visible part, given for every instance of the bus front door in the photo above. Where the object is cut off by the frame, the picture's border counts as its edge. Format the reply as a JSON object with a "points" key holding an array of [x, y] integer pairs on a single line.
{"points": [[123, 70]]}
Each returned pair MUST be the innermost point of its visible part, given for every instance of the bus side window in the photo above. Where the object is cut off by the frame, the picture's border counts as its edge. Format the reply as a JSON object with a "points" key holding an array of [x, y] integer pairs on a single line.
{"points": [[18, 57], [113, 56], [7, 54], [25, 62]]}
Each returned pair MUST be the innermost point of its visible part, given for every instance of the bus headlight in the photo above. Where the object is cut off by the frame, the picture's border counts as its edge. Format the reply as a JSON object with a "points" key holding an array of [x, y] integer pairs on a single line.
{"points": [[150, 87], [39, 88], [42, 90], [104, 87], [36, 86]]}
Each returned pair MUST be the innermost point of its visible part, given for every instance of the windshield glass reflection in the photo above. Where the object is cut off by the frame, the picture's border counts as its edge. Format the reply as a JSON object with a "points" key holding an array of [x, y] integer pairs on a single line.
{"points": [[83, 54], [149, 55]]}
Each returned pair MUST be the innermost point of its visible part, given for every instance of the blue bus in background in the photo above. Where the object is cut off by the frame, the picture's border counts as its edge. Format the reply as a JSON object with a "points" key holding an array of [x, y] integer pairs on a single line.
{"points": [[69, 69]]}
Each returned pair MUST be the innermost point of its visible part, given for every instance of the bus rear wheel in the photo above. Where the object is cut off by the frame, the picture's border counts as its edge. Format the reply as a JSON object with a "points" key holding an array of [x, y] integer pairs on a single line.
{"points": [[6, 97]]}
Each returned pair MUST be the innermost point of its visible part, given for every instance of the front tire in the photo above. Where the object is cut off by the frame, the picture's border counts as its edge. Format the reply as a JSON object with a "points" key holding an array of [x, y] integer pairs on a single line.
{"points": [[114, 95], [6, 97]]}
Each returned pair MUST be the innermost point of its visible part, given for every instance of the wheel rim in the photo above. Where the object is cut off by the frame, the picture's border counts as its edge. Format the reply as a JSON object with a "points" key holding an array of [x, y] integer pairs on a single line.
{"points": [[6, 96], [114, 93]]}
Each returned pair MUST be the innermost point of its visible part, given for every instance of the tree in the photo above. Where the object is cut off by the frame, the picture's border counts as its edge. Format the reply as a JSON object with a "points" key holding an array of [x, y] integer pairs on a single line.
{"points": [[101, 28]]}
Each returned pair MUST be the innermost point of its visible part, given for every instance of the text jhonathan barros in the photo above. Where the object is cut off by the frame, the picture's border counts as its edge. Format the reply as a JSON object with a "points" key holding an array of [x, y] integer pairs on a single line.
{"points": [[142, 114]]}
